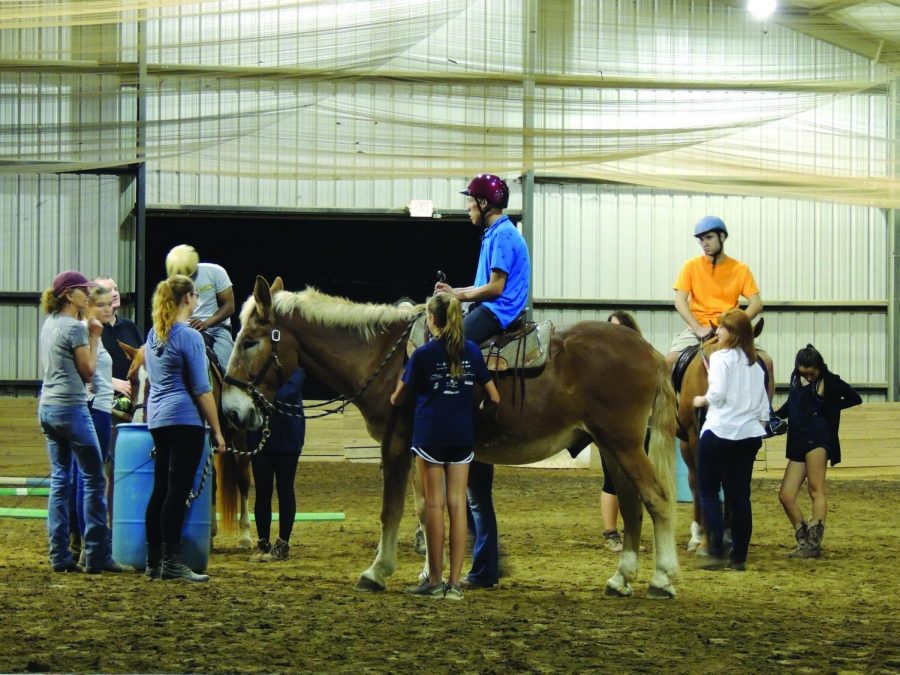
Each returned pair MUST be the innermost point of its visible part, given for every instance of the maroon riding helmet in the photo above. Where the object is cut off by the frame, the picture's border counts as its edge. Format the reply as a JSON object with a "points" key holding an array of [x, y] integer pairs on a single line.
{"points": [[489, 187]]}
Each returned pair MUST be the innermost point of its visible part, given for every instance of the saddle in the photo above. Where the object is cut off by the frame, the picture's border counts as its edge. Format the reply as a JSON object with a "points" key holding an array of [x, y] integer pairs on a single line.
{"points": [[684, 359], [523, 346]]}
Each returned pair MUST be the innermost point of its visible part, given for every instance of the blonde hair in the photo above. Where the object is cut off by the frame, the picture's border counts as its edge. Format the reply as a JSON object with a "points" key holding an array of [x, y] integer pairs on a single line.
{"points": [[52, 303], [182, 259], [97, 293], [167, 299], [447, 314], [737, 323]]}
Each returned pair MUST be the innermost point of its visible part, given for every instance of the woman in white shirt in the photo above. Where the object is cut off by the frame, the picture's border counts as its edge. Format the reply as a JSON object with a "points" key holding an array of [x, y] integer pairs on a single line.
{"points": [[731, 436]]}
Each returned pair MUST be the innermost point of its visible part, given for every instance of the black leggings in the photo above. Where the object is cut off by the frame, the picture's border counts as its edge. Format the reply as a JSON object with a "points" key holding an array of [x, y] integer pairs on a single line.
{"points": [[178, 452], [279, 468]]}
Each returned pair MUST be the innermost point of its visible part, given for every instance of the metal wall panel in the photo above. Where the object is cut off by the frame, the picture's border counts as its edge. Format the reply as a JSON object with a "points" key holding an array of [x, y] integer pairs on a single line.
{"points": [[50, 223], [618, 242]]}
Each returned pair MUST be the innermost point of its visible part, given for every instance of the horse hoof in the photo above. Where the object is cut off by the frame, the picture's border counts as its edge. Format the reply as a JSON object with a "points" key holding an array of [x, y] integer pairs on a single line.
{"points": [[614, 590], [366, 585], [244, 544], [664, 593]]}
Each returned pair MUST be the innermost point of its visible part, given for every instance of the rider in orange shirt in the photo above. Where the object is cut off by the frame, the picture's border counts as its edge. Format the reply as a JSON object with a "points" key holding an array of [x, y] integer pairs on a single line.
{"points": [[707, 286]]}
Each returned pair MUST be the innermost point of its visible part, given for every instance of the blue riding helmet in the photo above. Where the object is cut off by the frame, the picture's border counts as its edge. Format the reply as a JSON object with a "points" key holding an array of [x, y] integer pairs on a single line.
{"points": [[710, 224]]}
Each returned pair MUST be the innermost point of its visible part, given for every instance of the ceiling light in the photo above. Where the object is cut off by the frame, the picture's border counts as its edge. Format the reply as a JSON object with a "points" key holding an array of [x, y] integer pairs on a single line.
{"points": [[761, 9]]}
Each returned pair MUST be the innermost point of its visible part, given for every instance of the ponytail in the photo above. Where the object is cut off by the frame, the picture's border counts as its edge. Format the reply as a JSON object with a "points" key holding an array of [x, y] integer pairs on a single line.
{"points": [[447, 314], [52, 303], [167, 298]]}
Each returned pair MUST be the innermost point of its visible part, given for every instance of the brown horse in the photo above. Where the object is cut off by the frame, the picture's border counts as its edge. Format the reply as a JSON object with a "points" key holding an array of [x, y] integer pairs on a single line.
{"points": [[695, 383], [601, 380], [232, 470]]}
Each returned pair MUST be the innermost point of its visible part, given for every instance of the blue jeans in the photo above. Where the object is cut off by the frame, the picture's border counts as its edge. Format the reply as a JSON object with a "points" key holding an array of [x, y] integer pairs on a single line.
{"points": [[481, 324], [485, 552], [103, 426], [729, 464], [70, 432]]}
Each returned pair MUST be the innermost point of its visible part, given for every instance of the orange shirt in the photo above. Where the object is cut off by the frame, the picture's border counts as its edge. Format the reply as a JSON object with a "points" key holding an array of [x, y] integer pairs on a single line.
{"points": [[712, 290]]}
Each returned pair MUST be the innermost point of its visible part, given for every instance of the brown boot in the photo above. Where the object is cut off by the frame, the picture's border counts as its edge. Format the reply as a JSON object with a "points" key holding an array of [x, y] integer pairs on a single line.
{"points": [[802, 535]]}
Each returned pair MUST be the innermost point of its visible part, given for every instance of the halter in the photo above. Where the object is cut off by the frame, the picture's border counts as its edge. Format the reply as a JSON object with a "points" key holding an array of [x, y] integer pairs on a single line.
{"points": [[293, 410], [252, 387]]}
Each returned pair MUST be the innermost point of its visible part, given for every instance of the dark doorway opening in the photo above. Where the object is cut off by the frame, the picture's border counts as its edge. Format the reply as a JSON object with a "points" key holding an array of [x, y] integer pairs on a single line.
{"points": [[366, 258]]}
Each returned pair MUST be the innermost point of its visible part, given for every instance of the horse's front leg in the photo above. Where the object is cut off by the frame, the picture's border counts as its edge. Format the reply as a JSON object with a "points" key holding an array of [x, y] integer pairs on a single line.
{"points": [[245, 539], [395, 474]]}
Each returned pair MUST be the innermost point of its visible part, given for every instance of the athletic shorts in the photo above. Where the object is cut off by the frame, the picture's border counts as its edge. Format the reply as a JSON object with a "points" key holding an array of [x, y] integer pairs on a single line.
{"points": [[440, 455]]}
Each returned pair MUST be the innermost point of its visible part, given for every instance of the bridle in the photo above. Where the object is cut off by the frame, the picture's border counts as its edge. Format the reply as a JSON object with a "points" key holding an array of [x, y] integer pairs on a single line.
{"points": [[252, 387], [298, 410]]}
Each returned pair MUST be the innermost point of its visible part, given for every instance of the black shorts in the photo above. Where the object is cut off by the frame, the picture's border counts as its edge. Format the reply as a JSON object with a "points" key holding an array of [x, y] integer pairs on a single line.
{"points": [[798, 454], [444, 455]]}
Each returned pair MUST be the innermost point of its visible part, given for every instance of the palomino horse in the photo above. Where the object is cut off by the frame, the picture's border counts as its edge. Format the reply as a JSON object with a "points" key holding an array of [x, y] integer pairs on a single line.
{"points": [[694, 382], [232, 470], [600, 379]]}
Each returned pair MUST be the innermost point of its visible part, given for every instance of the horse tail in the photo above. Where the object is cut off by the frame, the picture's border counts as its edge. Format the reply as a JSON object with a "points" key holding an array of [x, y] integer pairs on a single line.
{"points": [[227, 490], [663, 424]]}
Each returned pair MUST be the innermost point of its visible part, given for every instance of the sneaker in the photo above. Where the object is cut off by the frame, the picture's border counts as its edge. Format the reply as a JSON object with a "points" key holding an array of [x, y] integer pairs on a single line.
{"points": [[152, 571], [174, 568], [72, 568], [427, 589], [281, 550], [775, 427], [613, 541], [739, 565], [452, 592], [263, 552]]}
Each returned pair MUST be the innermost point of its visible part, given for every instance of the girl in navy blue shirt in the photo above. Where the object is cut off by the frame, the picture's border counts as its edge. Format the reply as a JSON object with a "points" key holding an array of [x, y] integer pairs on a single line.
{"points": [[442, 375]]}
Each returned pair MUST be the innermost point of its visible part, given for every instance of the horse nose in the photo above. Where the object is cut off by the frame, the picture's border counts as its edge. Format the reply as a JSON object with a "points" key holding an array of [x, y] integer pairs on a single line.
{"points": [[234, 418]]}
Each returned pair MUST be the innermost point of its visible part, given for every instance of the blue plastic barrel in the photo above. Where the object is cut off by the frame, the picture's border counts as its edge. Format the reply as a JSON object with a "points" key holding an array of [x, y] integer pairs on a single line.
{"points": [[133, 480], [682, 486]]}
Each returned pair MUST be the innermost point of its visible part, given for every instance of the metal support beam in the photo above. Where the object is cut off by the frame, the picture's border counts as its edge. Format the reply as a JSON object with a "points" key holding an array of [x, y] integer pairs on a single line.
{"points": [[892, 367], [529, 60], [140, 202]]}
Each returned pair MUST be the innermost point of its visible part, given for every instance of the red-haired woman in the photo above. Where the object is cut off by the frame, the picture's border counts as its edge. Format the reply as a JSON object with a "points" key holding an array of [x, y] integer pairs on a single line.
{"points": [[731, 436]]}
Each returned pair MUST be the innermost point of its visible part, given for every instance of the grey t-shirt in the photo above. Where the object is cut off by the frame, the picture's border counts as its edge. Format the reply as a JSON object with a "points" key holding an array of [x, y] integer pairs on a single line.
{"points": [[60, 336], [211, 279]]}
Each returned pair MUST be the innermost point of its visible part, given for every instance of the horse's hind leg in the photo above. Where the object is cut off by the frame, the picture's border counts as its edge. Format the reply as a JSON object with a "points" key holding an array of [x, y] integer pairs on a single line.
{"points": [[395, 473], [619, 584]]}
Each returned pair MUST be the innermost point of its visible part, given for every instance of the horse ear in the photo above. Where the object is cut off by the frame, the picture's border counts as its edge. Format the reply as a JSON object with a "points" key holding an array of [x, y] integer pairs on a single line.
{"points": [[128, 349], [758, 328], [277, 286], [263, 297]]}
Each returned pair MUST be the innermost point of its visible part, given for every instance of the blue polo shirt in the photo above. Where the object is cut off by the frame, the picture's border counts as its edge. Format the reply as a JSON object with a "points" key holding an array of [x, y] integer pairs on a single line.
{"points": [[179, 372], [503, 248], [444, 405]]}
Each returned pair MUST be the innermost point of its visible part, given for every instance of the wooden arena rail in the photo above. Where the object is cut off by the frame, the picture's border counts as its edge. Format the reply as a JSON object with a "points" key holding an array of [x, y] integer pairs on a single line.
{"points": [[870, 437]]}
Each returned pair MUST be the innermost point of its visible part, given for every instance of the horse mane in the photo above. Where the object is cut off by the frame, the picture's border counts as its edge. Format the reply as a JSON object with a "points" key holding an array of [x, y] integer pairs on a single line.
{"points": [[332, 311]]}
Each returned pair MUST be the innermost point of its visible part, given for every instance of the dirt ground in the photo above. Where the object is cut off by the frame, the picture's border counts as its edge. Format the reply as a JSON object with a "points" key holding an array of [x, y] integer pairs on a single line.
{"points": [[837, 614]]}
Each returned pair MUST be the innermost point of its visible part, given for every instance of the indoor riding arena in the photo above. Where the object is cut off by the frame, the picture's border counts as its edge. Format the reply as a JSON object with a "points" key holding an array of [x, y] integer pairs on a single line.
{"points": [[338, 145]]}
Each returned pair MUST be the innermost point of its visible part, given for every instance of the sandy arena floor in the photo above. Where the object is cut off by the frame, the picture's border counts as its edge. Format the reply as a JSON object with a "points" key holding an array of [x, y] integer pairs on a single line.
{"points": [[837, 614]]}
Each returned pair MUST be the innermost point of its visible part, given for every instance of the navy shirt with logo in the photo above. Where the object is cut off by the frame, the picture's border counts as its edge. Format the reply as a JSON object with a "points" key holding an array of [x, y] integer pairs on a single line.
{"points": [[444, 405]]}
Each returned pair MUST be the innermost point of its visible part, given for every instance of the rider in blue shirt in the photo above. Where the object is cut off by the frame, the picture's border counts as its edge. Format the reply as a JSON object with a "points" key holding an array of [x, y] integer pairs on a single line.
{"points": [[499, 296]]}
